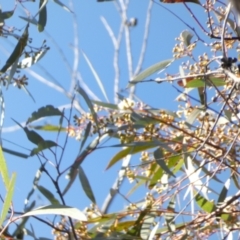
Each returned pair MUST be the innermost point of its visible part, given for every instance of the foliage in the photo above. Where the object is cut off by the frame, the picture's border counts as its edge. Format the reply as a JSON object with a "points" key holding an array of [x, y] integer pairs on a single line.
{"points": [[188, 159]]}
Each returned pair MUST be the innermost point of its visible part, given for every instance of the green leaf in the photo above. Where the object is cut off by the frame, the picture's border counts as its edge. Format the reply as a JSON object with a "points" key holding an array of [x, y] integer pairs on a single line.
{"points": [[89, 103], [186, 36], [8, 198], [86, 134], [3, 169], [57, 209], [42, 20], [159, 157], [135, 148], [6, 14], [149, 71], [48, 195], [47, 111], [203, 203], [18, 154], [42, 146], [106, 105], [17, 50], [200, 82], [86, 185], [48, 128], [33, 136]]}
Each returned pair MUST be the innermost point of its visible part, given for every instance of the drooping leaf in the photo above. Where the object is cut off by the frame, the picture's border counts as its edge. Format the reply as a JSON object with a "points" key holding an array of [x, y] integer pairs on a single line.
{"points": [[34, 187], [33, 136], [96, 76], [71, 176], [22, 42], [8, 198], [42, 146], [57, 209], [86, 185], [62, 5], [15, 153], [186, 37], [149, 71], [47, 111], [42, 20], [170, 215], [86, 134], [30, 20], [159, 157], [4, 169], [89, 103], [48, 195]]}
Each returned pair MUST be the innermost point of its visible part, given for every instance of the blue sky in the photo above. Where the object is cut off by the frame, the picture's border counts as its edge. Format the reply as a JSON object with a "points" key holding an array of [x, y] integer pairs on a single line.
{"points": [[94, 40]]}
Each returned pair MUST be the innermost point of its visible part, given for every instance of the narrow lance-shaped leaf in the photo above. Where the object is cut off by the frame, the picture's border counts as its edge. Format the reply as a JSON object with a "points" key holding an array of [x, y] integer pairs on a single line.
{"points": [[8, 198], [42, 146], [15, 153], [158, 155], [86, 134], [62, 5], [22, 42], [149, 71], [89, 103], [48, 195], [42, 20], [57, 209], [86, 185], [4, 169]]}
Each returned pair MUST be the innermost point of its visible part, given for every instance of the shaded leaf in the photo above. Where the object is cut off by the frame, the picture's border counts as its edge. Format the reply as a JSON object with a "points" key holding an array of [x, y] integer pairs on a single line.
{"points": [[159, 157], [18, 154], [42, 146], [47, 111], [42, 20], [22, 42], [48, 195], [186, 37], [86, 185], [86, 134], [6, 14], [89, 103], [57, 209], [8, 198], [149, 71]]}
